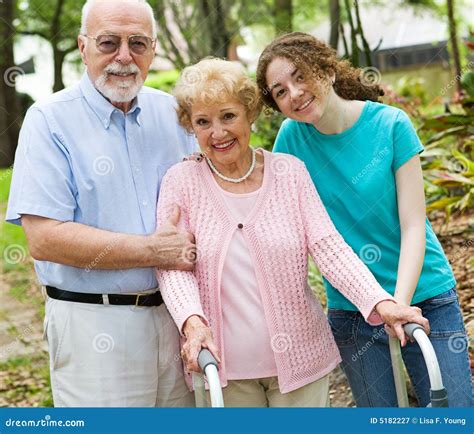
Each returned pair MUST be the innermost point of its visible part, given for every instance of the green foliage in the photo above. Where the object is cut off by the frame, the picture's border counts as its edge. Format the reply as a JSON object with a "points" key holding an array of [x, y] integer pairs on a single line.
{"points": [[448, 161], [43, 17], [411, 87], [5, 181], [455, 179], [467, 83], [26, 381], [409, 105], [266, 128], [164, 81], [315, 280], [12, 235]]}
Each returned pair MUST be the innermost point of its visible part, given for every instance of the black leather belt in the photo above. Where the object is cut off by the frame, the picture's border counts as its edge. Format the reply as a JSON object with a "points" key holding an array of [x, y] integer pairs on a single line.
{"points": [[153, 299]]}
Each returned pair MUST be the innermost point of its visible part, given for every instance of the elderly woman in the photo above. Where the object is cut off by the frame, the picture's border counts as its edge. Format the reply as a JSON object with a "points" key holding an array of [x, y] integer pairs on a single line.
{"points": [[256, 217]]}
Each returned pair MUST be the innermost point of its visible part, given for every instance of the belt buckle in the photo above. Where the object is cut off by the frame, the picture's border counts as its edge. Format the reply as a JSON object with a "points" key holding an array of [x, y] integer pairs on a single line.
{"points": [[138, 300]]}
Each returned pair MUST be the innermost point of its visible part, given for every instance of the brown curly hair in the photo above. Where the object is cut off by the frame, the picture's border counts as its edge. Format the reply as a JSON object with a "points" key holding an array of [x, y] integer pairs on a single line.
{"points": [[317, 60]]}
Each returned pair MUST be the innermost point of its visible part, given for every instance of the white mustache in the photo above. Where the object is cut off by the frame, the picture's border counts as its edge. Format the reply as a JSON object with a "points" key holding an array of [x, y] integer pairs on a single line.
{"points": [[117, 68]]}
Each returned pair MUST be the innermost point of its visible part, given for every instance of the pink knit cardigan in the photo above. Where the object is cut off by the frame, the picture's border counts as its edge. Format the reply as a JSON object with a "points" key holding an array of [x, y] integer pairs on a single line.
{"points": [[287, 223]]}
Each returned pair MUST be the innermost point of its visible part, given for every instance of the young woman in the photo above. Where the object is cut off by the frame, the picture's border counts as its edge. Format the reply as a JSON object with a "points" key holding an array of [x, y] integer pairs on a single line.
{"points": [[363, 159]]}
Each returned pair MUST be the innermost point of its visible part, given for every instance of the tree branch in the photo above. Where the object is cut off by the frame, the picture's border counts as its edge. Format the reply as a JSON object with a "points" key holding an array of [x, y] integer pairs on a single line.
{"points": [[34, 33]]}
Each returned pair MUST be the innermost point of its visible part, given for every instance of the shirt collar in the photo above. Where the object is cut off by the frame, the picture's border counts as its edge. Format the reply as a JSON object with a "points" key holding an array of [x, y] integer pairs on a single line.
{"points": [[101, 106]]}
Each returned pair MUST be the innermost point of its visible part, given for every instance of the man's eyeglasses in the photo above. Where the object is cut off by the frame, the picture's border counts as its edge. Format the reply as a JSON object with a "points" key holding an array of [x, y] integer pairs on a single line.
{"points": [[109, 44]]}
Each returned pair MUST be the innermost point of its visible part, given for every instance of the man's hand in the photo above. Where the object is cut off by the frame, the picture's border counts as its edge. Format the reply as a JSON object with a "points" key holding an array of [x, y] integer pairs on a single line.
{"points": [[195, 156], [396, 315], [174, 249], [198, 336]]}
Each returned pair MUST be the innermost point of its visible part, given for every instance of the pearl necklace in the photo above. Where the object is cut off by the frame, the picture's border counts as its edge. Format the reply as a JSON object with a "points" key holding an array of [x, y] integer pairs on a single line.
{"points": [[234, 180]]}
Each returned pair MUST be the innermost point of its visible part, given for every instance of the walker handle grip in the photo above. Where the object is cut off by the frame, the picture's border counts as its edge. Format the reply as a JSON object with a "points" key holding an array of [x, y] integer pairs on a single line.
{"points": [[205, 359], [410, 328]]}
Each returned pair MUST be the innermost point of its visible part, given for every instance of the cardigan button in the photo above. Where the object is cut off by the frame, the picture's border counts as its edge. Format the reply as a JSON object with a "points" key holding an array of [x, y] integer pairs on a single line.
{"points": [[240, 225]]}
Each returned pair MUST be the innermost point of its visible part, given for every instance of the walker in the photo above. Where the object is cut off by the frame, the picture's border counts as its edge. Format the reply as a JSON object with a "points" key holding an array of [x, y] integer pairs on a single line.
{"points": [[438, 394], [209, 368]]}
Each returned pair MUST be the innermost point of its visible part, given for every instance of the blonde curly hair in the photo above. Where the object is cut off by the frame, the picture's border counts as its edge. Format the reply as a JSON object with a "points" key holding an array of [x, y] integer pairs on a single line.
{"points": [[212, 81]]}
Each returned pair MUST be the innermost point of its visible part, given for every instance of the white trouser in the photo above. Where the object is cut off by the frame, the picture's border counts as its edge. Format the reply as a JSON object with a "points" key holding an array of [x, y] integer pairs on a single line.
{"points": [[114, 356]]}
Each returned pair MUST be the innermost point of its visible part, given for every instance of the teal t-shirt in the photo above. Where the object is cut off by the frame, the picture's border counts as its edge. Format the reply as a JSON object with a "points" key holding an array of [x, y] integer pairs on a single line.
{"points": [[354, 173]]}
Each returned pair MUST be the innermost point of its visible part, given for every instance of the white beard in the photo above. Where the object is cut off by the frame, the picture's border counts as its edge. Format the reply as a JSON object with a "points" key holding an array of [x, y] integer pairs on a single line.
{"points": [[124, 91]]}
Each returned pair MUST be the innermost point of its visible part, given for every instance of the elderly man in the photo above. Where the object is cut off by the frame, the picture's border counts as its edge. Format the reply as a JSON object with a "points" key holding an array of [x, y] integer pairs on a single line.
{"points": [[85, 185]]}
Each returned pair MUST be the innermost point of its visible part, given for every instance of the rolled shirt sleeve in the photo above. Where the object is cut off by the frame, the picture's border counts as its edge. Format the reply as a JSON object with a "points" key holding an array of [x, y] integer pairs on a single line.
{"points": [[42, 182]]}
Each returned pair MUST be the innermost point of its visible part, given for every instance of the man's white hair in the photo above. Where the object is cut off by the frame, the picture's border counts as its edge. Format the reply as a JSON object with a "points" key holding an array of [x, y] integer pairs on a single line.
{"points": [[88, 6]]}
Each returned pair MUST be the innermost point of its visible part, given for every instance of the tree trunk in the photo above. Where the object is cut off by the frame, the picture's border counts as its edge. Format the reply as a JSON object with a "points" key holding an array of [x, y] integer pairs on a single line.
{"points": [[354, 47], [335, 18], [454, 44], [215, 17], [219, 37], [360, 31], [10, 114], [58, 68], [283, 16], [57, 53]]}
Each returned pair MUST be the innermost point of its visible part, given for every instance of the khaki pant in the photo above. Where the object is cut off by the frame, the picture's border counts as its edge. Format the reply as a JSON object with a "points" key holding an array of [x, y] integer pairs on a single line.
{"points": [[114, 356], [264, 392]]}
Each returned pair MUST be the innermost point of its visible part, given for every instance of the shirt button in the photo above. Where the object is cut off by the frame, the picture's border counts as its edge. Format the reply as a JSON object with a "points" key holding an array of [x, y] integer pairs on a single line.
{"points": [[144, 203], [240, 225]]}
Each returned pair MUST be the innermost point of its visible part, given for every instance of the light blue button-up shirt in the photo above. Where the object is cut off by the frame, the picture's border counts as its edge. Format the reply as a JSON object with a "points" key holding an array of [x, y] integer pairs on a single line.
{"points": [[81, 159]]}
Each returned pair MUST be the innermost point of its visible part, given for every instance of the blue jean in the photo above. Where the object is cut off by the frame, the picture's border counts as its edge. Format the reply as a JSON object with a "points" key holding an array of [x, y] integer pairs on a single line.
{"points": [[366, 356]]}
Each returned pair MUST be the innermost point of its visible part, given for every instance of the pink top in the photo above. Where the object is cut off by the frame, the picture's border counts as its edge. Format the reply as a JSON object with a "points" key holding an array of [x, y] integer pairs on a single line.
{"points": [[287, 223], [245, 333]]}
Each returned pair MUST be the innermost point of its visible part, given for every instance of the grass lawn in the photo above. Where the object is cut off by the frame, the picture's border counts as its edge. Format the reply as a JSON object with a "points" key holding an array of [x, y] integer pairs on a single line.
{"points": [[13, 241], [24, 379]]}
